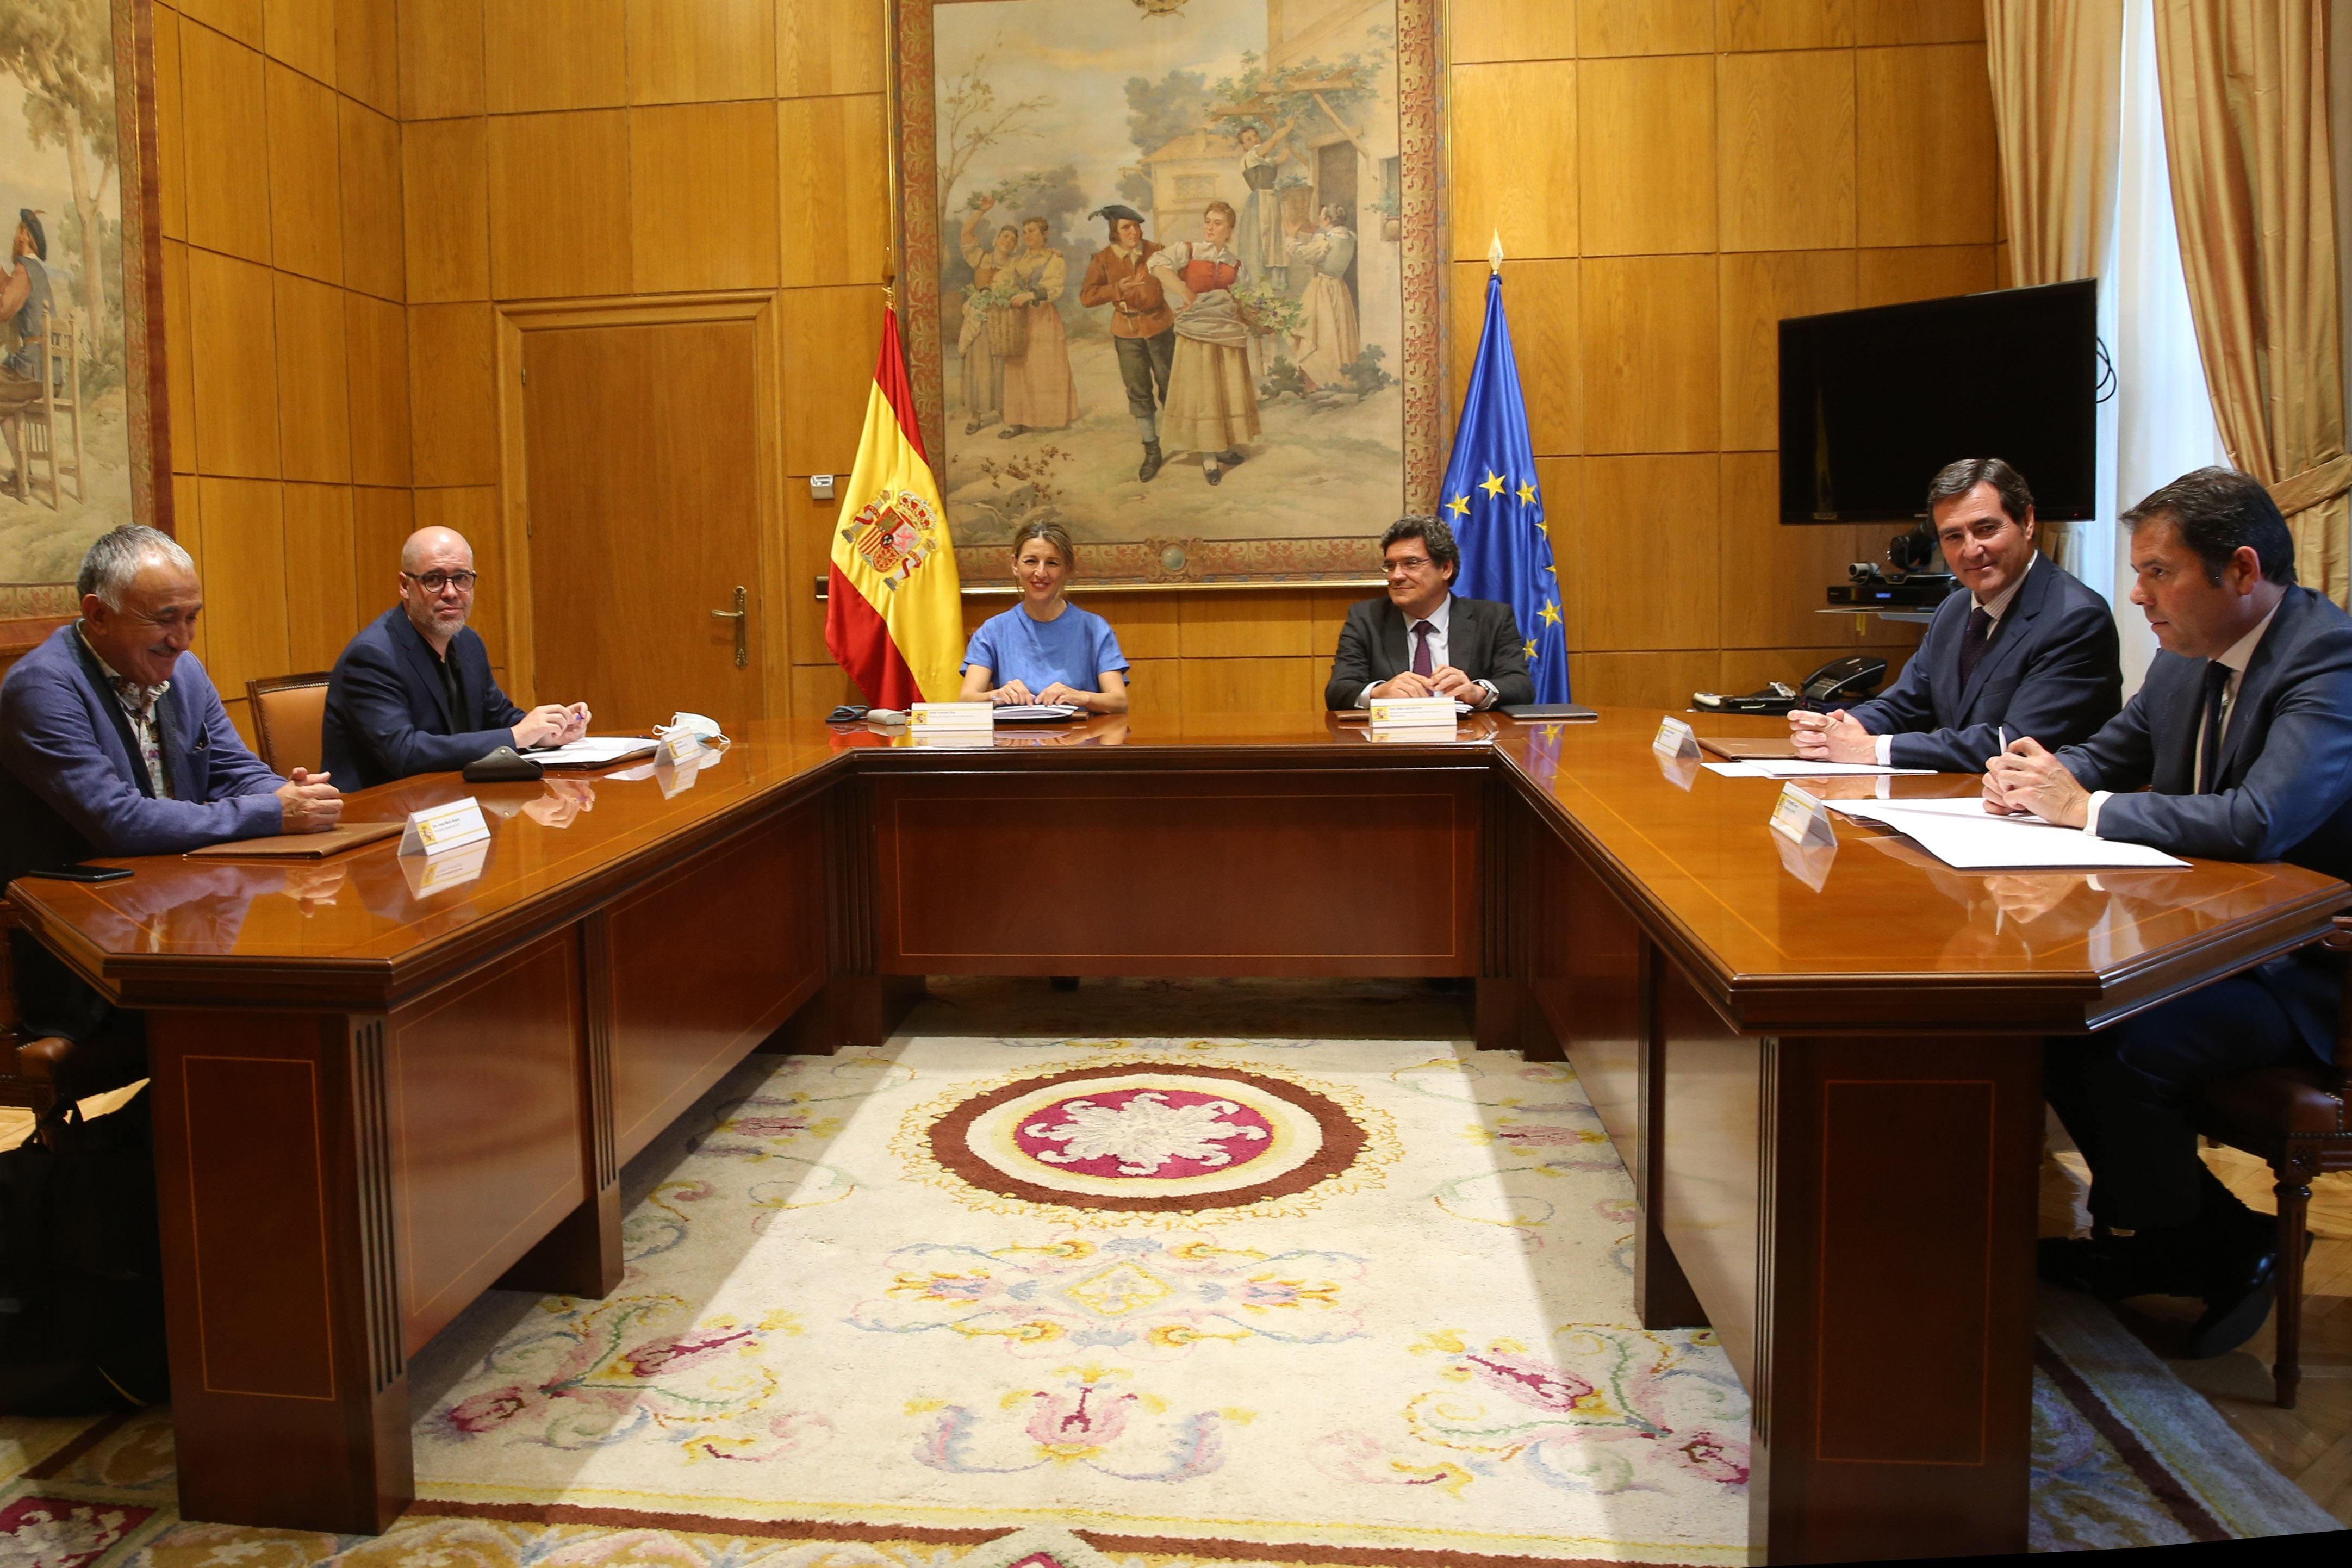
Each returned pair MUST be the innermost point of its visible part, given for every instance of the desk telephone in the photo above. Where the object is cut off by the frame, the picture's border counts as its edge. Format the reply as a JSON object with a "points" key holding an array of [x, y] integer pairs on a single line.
{"points": [[1835, 684]]}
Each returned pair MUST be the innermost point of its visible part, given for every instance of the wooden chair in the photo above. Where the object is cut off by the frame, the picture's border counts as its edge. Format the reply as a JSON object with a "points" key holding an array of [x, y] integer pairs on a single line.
{"points": [[2294, 1119], [27, 1063], [290, 720], [41, 427]]}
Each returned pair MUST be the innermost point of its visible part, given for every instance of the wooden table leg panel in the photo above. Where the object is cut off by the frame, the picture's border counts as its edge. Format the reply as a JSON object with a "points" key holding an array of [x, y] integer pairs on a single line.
{"points": [[1898, 1182], [274, 1180], [1702, 1114]]}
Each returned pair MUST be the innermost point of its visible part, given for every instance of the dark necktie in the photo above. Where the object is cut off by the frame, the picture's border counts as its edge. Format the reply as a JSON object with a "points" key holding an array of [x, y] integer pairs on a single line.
{"points": [[1420, 630], [1972, 641], [2209, 747]]}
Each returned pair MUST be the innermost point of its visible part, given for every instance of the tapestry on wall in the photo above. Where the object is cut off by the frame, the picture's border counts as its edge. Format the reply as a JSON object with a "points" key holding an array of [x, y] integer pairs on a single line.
{"points": [[1171, 276]]}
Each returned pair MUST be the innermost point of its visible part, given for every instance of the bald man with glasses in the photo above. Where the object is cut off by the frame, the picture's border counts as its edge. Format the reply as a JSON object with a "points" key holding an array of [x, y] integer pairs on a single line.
{"points": [[413, 693]]}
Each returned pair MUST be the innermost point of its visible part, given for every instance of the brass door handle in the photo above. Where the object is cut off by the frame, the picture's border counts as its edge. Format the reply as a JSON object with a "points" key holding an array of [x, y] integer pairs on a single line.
{"points": [[742, 616]]}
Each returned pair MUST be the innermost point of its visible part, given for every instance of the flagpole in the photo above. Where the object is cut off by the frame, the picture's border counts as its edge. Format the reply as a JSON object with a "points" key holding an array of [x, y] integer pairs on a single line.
{"points": [[890, 135]]}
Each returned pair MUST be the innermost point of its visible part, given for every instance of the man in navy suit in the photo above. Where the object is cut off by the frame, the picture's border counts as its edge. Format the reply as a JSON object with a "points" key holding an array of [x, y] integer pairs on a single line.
{"points": [[2241, 737], [2027, 649], [1421, 640], [113, 742], [412, 692]]}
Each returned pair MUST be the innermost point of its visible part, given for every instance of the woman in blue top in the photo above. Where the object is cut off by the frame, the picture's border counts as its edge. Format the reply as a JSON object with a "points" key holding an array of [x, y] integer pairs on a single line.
{"points": [[1045, 649]]}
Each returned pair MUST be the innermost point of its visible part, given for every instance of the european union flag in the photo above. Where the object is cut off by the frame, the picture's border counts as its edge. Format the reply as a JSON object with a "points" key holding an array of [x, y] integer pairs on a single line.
{"points": [[1491, 502]]}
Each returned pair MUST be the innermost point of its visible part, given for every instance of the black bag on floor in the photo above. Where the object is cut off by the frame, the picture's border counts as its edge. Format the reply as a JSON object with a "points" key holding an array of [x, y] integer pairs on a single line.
{"points": [[81, 1288]]}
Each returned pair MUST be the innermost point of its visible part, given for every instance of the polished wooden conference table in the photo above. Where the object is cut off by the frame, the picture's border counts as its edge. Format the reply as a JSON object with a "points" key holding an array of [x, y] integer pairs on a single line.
{"points": [[386, 1085]]}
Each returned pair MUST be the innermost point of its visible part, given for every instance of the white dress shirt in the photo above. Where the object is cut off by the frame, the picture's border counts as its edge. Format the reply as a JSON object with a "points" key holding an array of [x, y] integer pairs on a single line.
{"points": [[1439, 620], [1996, 607], [2236, 656]]}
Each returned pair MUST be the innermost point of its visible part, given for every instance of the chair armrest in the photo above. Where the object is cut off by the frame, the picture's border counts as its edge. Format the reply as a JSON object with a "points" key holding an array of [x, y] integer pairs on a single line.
{"points": [[37, 1060]]}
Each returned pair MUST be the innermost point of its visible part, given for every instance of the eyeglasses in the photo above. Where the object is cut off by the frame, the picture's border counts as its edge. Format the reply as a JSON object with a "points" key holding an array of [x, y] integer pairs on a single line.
{"points": [[434, 582], [1405, 562]]}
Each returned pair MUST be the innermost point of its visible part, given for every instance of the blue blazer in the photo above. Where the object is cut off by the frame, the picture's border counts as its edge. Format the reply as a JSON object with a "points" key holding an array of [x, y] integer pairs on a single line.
{"points": [[2051, 670], [70, 788], [388, 714], [2284, 792]]}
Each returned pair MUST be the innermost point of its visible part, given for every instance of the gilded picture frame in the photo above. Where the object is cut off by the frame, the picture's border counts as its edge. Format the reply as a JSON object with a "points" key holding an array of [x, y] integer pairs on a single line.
{"points": [[90, 449], [1316, 420]]}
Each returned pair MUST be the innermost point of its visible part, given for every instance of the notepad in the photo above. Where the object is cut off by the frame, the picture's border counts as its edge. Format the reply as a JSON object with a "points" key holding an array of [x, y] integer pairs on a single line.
{"points": [[1035, 712], [1964, 836], [300, 845]]}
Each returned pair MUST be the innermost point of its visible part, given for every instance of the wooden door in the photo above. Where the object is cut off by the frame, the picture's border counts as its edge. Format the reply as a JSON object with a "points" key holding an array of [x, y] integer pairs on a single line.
{"points": [[640, 445]]}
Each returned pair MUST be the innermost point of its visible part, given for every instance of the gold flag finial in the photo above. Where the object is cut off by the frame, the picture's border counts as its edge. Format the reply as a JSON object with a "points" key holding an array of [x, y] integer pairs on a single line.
{"points": [[1495, 253]]}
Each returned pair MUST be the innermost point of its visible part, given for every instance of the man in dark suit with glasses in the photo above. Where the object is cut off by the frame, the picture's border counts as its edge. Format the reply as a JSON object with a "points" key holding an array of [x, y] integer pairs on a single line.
{"points": [[1423, 641]]}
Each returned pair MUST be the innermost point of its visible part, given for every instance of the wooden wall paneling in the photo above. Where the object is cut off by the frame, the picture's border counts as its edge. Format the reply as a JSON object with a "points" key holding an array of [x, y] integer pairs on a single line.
{"points": [[1786, 126], [1645, 138], [554, 54], [819, 688], [1330, 613], [1758, 288], [703, 193], [685, 51], [1917, 21], [452, 406], [372, 226], [1545, 301], [1154, 687], [440, 58], [375, 357], [559, 204], [1664, 681], [1784, 25], [1752, 668], [179, 359], [240, 19], [808, 552], [826, 47], [245, 587], [834, 180], [1650, 550], [1512, 146], [306, 214], [1773, 575], [1893, 277], [188, 531], [171, 159], [302, 33], [1246, 623], [1650, 354], [1149, 625], [1645, 27], [1923, 146], [1509, 30], [314, 434], [1253, 685], [234, 350], [225, 124], [323, 598], [445, 188], [472, 510], [382, 520], [367, 53], [834, 335]]}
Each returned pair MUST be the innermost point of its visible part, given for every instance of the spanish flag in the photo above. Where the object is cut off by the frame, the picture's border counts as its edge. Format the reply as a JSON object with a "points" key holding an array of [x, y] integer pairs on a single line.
{"points": [[894, 611]]}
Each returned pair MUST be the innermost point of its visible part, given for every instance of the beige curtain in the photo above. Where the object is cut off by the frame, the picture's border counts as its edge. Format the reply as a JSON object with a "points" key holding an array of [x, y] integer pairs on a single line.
{"points": [[2244, 84], [2057, 70]]}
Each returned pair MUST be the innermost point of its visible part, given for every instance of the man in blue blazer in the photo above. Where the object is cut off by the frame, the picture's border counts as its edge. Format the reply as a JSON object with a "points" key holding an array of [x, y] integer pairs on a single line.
{"points": [[412, 692], [2241, 737], [2027, 648], [113, 742]]}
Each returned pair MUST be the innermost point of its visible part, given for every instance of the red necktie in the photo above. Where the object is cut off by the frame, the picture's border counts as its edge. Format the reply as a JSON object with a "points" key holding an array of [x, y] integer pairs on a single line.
{"points": [[1421, 630]]}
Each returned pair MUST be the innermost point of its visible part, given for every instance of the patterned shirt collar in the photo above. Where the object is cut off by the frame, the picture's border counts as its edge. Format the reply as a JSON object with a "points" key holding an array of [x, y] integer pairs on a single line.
{"points": [[137, 700]]}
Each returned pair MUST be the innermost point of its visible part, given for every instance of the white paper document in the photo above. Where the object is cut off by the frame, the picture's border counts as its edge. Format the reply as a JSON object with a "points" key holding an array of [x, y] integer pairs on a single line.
{"points": [[1792, 768], [593, 750], [1033, 712], [1963, 835]]}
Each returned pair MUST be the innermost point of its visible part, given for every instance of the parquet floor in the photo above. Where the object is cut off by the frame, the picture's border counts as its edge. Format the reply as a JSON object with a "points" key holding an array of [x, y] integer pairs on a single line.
{"points": [[2312, 1444]]}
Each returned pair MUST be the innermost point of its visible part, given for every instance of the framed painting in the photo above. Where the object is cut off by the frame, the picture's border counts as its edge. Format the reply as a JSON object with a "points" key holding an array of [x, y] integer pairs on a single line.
{"points": [[1171, 276], [81, 391]]}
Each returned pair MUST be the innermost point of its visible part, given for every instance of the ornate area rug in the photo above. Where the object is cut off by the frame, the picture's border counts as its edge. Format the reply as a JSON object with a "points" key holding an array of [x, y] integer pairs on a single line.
{"points": [[1007, 1300]]}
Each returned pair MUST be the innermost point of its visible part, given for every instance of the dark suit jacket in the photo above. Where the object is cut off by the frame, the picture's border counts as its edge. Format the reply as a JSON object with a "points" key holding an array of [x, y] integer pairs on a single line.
{"points": [[388, 714], [2051, 671], [2284, 792], [69, 789], [1482, 639]]}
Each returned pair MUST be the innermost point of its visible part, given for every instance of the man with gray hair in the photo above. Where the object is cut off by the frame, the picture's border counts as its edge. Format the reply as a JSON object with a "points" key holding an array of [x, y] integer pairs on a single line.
{"points": [[114, 743]]}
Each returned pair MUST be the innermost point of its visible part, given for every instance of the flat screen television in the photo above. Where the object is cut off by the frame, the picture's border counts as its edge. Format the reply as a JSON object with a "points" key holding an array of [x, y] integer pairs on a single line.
{"points": [[1872, 403]]}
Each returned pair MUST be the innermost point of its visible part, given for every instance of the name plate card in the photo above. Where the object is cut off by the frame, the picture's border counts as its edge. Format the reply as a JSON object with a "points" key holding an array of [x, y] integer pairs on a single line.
{"points": [[1410, 712], [1800, 818], [440, 828], [678, 747], [1675, 739], [952, 716]]}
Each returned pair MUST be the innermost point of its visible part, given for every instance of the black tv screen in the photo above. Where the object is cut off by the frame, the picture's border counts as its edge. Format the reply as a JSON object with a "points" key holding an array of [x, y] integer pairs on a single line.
{"points": [[1872, 403]]}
